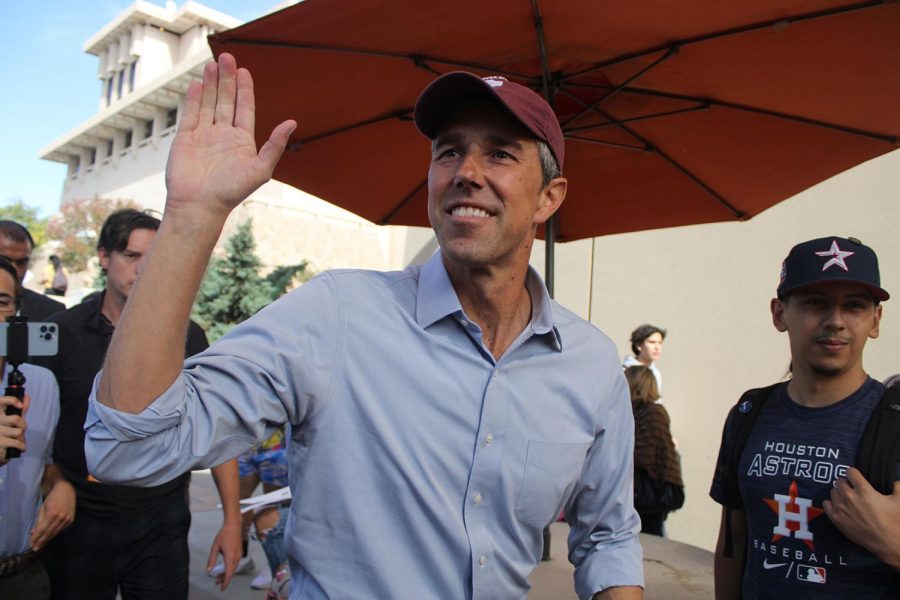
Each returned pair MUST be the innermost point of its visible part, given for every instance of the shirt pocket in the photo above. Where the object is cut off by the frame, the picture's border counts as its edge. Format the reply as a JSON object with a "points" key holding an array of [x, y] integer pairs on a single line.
{"points": [[551, 470]]}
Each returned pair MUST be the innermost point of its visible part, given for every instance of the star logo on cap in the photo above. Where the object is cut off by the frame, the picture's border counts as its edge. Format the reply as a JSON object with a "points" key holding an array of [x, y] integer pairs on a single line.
{"points": [[837, 256]]}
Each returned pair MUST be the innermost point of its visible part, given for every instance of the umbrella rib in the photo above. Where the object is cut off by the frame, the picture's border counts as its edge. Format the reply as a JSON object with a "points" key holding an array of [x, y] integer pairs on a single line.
{"points": [[390, 215], [402, 115], [738, 214], [669, 54], [777, 23], [579, 138], [698, 108], [884, 137], [419, 60]]}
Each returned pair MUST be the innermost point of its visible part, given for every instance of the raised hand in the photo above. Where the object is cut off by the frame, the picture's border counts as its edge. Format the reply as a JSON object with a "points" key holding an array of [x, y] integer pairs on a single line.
{"points": [[213, 164]]}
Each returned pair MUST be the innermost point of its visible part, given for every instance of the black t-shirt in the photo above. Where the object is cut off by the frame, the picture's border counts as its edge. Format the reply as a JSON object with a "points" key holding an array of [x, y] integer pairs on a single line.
{"points": [[84, 336], [791, 460]]}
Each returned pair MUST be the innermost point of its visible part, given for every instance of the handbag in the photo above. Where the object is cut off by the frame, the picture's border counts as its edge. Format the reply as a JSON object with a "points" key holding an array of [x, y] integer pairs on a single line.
{"points": [[655, 495]]}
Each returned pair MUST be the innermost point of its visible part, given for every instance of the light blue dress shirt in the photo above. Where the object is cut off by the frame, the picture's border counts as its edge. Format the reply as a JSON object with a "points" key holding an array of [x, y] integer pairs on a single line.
{"points": [[20, 478], [420, 467]]}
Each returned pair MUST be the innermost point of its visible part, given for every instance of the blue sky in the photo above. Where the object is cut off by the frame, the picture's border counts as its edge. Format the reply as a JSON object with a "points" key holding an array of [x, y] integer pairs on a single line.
{"points": [[52, 86]]}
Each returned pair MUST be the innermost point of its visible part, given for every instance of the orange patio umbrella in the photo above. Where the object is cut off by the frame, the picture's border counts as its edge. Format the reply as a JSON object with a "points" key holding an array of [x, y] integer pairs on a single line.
{"points": [[674, 113]]}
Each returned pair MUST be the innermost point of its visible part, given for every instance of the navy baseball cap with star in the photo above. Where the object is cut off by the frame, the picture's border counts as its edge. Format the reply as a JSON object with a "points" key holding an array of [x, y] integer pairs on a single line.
{"points": [[831, 260]]}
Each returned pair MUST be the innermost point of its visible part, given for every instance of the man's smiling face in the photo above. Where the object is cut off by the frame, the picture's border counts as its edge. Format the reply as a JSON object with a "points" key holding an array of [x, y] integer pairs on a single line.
{"points": [[485, 198]]}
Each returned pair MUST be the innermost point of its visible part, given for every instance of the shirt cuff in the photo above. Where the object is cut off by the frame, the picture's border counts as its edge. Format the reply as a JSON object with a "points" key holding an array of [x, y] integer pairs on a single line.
{"points": [[164, 413], [615, 564]]}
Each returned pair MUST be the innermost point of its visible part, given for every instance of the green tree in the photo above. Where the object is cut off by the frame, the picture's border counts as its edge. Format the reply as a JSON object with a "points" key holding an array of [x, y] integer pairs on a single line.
{"points": [[27, 216], [233, 290], [77, 226]]}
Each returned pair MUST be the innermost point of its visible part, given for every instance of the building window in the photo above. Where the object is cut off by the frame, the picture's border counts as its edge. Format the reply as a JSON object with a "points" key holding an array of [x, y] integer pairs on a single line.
{"points": [[121, 83], [127, 143], [76, 166], [109, 88], [171, 118], [148, 129], [132, 71], [92, 157], [109, 148]]}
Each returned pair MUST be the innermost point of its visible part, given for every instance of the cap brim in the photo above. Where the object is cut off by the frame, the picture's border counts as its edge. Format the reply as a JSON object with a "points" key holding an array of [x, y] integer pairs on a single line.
{"points": [[877, 293]]}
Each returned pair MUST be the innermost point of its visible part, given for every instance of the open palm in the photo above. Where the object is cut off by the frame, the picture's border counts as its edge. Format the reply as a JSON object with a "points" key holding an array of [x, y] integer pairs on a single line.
{"points": [[213, 164]]}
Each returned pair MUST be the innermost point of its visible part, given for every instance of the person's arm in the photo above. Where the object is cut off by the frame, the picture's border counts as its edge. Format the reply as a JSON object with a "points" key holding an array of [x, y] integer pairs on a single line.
{"points": [[729, 571], [12, 427], [228, 541], [867, 517], [604, 544], [213, 165], [58, 509]]}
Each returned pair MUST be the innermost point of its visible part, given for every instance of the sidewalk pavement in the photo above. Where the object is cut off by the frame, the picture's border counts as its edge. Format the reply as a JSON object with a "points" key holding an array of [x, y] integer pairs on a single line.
{"points": [[673, 571]]}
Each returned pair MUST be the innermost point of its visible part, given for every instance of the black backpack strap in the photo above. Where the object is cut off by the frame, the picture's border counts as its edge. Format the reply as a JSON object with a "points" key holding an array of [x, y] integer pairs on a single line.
{"points": [[743, 417], [879, 448]]}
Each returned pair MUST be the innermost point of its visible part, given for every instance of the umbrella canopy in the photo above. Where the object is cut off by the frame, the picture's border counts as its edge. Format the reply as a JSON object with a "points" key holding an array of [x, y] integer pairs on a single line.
{"points": [[674, 113]]}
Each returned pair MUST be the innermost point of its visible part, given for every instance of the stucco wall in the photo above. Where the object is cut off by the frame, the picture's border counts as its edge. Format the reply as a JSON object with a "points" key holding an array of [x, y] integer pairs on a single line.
{"points": [[710, 285]]}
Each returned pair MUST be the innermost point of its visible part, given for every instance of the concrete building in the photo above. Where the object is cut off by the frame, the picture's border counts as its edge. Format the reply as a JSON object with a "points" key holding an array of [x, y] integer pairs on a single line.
{"points": [[146, 59], [710, 285]]}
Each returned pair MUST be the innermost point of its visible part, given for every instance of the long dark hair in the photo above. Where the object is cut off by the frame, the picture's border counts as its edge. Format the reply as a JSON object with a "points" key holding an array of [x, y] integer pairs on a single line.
{"points": [[642, 384]]}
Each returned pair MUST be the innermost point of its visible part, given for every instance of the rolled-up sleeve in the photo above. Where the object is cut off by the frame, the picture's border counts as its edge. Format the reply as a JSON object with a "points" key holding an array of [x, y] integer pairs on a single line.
{"points": [[604, 543], [279, 366]]}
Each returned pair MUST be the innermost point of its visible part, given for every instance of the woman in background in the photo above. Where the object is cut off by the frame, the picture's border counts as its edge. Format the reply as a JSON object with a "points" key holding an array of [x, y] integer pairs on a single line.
{"points": [[55, 279], [657, 469]]}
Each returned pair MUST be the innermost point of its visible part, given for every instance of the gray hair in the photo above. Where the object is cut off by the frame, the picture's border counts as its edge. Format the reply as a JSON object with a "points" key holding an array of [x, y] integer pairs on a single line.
{"points": [[549, 166]]}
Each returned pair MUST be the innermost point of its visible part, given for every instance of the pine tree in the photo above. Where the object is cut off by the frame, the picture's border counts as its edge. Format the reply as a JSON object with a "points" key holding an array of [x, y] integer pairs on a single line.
{"points": [[232, 289]]}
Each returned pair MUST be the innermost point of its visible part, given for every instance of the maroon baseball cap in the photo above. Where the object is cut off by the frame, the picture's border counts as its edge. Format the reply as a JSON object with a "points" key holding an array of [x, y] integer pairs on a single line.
{"points": [[446, 92]]}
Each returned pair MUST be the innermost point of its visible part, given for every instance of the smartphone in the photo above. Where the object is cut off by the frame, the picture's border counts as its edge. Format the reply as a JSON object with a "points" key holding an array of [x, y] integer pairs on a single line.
{"points": [[42, 340]]}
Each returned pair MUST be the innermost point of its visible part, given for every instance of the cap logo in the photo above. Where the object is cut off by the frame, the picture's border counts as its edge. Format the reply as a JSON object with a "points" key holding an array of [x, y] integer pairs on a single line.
{"points": [[837, 256], [495, 81]]}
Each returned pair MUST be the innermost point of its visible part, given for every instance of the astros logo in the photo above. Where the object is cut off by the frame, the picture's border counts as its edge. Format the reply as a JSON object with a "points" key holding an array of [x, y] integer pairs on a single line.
{"points": [[794, 515]]}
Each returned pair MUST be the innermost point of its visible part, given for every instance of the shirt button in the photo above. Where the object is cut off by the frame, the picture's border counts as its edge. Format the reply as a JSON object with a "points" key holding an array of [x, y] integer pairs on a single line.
{"points": [[477, 498], [489, 439], [482, 559]]}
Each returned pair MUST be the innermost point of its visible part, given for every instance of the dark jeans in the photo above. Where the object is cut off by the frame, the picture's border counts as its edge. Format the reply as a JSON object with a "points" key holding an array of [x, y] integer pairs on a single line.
{"points": [[30, 584], [653, 523], [145, 556]]}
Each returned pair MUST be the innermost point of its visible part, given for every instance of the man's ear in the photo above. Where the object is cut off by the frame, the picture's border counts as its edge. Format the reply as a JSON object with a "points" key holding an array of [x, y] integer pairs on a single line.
{"points": [[551, 199], [777, 308], [875, 331], [103, 257]]}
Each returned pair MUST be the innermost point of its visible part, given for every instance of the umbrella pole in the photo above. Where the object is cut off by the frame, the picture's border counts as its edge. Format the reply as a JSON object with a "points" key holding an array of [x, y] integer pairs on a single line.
{"points": [[549, 244]]}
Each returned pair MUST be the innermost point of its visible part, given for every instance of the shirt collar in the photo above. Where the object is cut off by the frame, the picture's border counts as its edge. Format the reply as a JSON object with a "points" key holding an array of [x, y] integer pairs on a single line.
{"points": [[437, 299], [96, 320]]}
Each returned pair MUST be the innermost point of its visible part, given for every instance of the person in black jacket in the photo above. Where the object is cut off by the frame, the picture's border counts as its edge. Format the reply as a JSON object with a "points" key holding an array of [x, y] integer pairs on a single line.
{"points": [[655, 457], [129, 540], [16, 246]]}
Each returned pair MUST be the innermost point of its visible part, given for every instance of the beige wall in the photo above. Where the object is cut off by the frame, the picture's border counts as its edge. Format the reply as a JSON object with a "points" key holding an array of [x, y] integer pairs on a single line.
{"points": [[710, 286]]}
